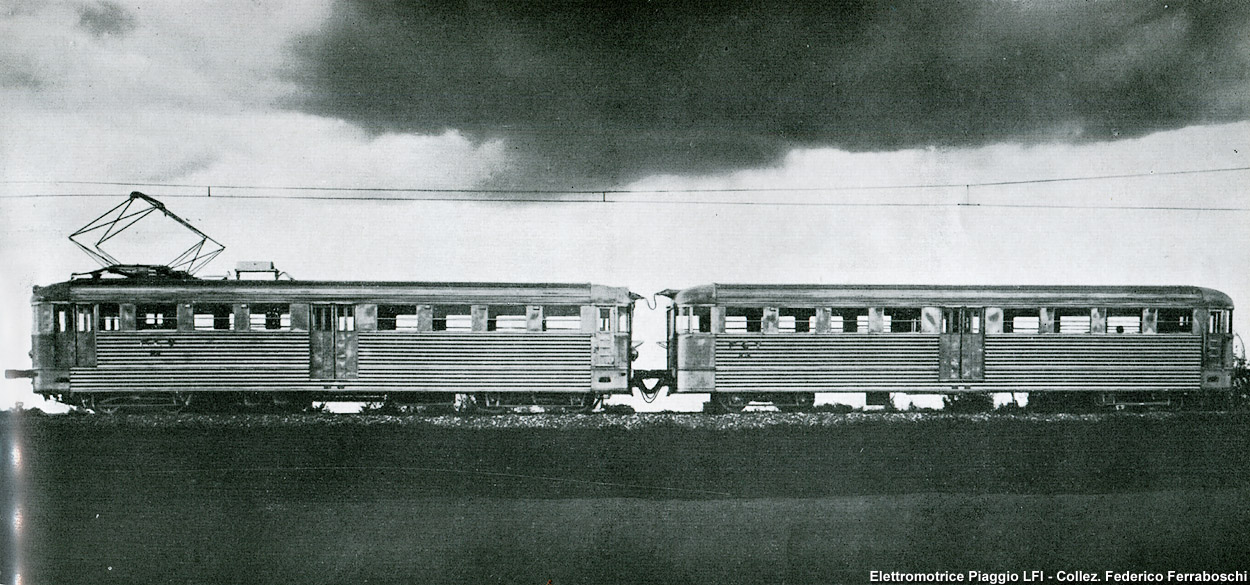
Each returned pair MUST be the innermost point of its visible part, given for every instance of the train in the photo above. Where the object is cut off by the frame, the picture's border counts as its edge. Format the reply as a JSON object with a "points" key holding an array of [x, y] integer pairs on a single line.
{"points": [[1065, 346], [136, 338]]}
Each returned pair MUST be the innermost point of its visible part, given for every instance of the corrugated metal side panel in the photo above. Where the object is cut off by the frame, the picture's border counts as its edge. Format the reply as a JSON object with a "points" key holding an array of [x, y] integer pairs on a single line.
{"points": [[224, 360], [825, 362], [487, 361], [1146, 362]]}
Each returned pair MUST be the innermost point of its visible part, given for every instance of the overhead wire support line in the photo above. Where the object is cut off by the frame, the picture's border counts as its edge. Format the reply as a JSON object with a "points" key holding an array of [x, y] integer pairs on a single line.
{"points": [[605, 192], [623, 196], [598, 201]]}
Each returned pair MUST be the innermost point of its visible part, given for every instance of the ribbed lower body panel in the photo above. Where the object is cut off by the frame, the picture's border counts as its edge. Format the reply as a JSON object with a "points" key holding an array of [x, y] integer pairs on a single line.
{"points": [[909, 363], [478, 361], [238, 361]]}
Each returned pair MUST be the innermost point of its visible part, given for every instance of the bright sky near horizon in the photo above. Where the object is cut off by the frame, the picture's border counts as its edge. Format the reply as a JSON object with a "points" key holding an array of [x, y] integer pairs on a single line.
{"points": [[777, 143]]}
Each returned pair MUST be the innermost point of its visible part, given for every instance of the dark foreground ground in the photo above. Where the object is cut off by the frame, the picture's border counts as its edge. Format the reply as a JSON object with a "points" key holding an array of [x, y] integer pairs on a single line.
{"points": [[753, 498]]}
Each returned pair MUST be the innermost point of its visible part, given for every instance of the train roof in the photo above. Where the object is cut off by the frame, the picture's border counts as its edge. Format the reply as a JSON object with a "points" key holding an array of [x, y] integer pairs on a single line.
{"points": [[157, 289], [1024, 296]]}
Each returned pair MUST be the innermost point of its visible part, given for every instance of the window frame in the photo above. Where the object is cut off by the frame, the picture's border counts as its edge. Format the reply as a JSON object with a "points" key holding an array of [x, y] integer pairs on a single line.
{"points": [[441, 314], [569, 317], [1183, 315], [694, 319], [163, 320], [108, 322], [264, 310], [1010, 314], [388, 317], [494, 312], [228, 318]]}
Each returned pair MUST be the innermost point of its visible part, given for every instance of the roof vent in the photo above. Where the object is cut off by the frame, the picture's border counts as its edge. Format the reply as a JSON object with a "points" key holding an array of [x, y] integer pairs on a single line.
{"points": [[254, 269]]}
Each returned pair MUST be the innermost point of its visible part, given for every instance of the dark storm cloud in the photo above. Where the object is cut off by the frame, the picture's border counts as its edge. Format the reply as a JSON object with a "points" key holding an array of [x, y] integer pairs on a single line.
{"points": [[606, 92], [105, 18]]}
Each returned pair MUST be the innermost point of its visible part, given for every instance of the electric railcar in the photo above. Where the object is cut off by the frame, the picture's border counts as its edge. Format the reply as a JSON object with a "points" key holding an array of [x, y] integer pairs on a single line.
{"points": [[157, 340], [162, 342], [781, 344]]}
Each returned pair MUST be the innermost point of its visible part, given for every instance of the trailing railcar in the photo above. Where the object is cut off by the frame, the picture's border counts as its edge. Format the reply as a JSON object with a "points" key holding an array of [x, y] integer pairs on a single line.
{"points": [[782, 344], [151, 341]]}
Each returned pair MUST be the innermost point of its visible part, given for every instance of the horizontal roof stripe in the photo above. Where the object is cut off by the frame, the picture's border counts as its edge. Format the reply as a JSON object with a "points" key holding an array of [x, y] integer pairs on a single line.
{"points": [[157, 289], [948, 295]]}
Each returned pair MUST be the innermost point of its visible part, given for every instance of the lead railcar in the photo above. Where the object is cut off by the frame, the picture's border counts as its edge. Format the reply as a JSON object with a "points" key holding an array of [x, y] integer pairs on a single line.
{"points": [[155, 339], [781, 344]]}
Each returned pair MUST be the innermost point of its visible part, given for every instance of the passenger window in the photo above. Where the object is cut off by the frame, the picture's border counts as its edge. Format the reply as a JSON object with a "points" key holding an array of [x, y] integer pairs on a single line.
{"points": [[1124, 321], [848, 320], [162, 316], [1072, 321], [110, 317], [453, 318], [207, 317], [1023, 321], [1175, 321], [397, 318], [902, 320], [562, 318], [743, 320], [623, 318], [790, 320], [271, 316], [505, 318]]}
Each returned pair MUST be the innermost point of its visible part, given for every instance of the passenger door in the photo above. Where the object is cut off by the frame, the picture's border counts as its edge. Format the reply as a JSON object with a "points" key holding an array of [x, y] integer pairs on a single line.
{"points": [[962, 351], [604, 351], [332, 342], [74, 330], [84, 339]]}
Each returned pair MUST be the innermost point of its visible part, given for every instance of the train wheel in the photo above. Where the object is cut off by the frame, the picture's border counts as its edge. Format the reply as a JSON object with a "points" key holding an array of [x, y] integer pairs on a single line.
{"points": [[731, 402], [464, 403], [291, 402], [801, 402], [208, 403], [136, 403], [589, 401], [255, 401], [491, 403]]}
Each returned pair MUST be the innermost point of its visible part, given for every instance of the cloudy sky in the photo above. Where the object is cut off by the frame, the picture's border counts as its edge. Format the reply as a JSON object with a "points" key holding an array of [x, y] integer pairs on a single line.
{"points": [[762, 142]]}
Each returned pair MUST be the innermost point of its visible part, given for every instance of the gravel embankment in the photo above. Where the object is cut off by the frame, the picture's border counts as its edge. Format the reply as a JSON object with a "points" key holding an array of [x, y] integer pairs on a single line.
{"points": [[640, 421]]}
